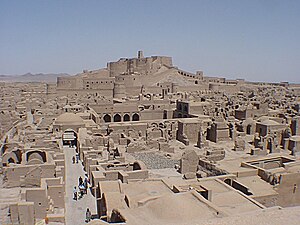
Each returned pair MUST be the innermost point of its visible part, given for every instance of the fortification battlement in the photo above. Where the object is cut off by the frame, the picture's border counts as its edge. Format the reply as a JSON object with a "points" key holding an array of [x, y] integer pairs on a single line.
{"points": [[142, 65]]}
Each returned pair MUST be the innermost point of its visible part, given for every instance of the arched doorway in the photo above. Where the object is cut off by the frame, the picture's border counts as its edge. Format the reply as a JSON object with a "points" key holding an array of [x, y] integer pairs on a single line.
{"points": [[107, 118], [117, 118], [249, 129], [10, 160], [165, 115], [269, 145], [136, 166], [135, 117], [69, 138], [35, 157], [126, 117]]}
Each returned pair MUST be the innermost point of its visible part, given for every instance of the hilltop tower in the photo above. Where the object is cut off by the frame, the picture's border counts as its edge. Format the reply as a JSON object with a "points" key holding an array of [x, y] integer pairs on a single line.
{"points": [[140, 54]]}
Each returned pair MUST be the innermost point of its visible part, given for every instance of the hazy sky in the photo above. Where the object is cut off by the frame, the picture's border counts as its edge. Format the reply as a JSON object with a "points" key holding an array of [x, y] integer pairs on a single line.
{"points": [[254, 40]]}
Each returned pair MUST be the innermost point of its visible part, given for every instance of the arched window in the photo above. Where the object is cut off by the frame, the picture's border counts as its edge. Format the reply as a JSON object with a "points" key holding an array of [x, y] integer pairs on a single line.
{"points": [[126, 117], [107, 118], [135, 117], [117, 118]]}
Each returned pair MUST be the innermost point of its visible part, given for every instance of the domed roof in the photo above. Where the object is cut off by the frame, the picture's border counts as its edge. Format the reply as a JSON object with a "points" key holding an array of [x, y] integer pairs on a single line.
{"points": [[77, 106], [69, 118], [67, 107], [248, 121], [270, 122]]}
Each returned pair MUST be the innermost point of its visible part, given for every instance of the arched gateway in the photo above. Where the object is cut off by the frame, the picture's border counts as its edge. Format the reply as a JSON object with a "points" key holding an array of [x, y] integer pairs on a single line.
{"points": [[69, 138]]}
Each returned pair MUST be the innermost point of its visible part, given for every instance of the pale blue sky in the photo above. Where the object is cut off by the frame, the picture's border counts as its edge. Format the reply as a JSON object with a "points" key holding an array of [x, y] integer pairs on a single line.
{"points": [[254, 40]]}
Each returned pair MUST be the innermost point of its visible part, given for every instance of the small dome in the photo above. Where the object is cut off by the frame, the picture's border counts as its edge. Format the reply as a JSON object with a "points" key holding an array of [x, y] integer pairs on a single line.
{"points": [[248, 121], [69, 118], [67, 107], [77, 106]]}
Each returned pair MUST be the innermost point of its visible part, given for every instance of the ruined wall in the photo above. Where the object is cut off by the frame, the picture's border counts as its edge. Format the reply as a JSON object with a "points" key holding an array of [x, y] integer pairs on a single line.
{"points": [[40, 200], [152, 114], [289, 190], [189, 130], [66, 83], [228, 88], [116, 68], [50, 88], [96, 84], [295, 126], [268, 200], [28, 175], [143, 66]]}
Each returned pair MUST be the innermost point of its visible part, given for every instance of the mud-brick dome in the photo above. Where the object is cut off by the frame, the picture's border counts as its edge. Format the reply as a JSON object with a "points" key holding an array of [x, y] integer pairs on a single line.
{"points": [[69, 118]]}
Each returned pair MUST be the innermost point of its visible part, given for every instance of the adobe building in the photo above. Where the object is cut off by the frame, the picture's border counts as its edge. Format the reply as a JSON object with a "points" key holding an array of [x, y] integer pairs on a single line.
{"points": [[132, 76], [153, 143]]}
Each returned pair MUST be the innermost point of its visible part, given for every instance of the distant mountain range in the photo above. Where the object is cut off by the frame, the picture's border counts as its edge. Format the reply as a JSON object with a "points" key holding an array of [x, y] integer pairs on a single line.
{"points": [[29, 77]]}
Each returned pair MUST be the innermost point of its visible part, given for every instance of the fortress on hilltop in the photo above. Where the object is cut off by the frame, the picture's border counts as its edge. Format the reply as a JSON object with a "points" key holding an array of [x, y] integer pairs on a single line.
{"points": [[132, 76]]}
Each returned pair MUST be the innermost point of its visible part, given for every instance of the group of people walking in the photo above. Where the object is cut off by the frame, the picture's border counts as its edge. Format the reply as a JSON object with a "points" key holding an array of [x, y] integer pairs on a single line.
{"points": [[88, 214], [82, 189]]}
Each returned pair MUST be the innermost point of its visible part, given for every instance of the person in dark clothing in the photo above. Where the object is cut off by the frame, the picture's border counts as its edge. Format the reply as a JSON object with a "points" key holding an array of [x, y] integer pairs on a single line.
{"points": [[75, 194], [88, 215], [80, 181], [85, 185], [77, 158]]}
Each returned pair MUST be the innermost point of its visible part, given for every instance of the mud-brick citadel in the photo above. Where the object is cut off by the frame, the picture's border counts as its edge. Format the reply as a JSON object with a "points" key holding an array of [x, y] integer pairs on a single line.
{"points": [[142, 77], [144, 142], [137, 76]]}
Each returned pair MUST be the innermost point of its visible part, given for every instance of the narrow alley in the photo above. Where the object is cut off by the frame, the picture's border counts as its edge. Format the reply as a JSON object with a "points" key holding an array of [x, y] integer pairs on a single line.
{"points": [[75, 210]]}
